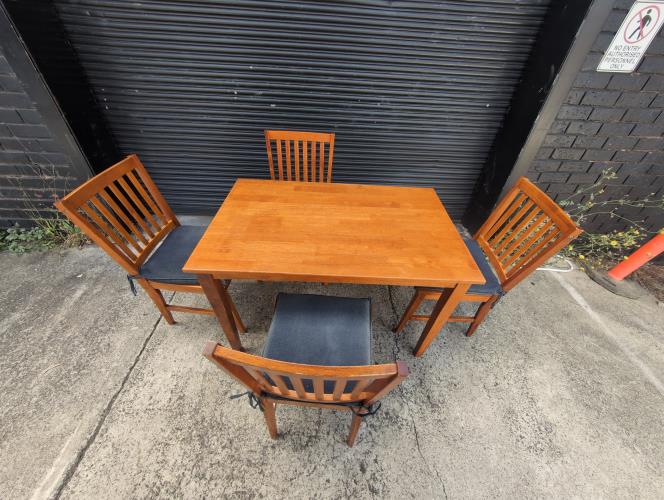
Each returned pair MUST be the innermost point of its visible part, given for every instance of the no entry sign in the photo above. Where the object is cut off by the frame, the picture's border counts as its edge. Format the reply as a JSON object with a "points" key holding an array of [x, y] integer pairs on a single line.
{"points": [[636, 32]]}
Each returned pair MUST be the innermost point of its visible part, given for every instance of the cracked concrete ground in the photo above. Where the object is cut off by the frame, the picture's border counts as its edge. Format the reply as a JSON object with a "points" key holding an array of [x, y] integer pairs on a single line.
{"points": [[558, 394]]}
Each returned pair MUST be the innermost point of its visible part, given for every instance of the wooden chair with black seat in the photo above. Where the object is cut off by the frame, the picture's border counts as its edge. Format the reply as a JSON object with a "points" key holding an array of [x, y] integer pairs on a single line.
{"points": [[300, 155], [524, 230], [318, 353], [122, 211]]}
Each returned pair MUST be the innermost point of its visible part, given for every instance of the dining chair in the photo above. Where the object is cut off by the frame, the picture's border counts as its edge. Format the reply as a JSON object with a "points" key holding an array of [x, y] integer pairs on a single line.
{"points": [[298, 157], [523, 231], [122, 211], [318, 354]]}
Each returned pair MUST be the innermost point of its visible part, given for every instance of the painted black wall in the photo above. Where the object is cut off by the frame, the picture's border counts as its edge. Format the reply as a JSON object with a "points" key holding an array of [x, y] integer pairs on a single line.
{"points": [[559, 29], [43, 33], [610, 120], [39, 156]]}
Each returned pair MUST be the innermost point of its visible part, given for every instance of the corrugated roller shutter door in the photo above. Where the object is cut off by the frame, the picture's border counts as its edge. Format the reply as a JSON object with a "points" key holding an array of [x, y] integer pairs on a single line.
{"points": [[415, 91]]}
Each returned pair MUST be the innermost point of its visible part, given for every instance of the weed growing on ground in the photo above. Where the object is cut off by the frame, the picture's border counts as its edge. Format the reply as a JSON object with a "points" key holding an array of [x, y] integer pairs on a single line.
{"points": [[50, 229], [48, 233], [604, 249]]}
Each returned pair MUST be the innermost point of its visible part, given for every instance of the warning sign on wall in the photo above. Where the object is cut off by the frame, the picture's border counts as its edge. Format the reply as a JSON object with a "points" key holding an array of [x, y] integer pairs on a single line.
{"points": [[636, 32]]}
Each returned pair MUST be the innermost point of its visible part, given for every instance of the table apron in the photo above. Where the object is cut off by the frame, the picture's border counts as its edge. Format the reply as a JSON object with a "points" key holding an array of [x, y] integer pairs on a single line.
{"points": [[339, 279]]}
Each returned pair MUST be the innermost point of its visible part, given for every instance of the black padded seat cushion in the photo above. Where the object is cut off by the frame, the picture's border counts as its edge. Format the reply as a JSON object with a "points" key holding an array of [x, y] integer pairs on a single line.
{"points": [[492, 285], [320, 330], [165, 263]]}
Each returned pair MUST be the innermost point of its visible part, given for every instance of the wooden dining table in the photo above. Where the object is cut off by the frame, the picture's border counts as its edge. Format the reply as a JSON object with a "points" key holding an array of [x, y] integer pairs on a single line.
{"points": [[333, 233]]}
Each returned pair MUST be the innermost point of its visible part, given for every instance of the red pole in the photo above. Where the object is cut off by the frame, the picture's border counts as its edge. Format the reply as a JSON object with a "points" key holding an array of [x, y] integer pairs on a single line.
{"points": [[644, 254]]}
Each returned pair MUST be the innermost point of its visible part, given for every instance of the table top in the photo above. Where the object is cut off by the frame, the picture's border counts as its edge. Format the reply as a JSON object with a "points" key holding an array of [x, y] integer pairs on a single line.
{"points": [[334, 233]]}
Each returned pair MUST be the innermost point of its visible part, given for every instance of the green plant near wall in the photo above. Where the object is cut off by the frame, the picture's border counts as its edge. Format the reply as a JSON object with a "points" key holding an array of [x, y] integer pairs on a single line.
{"points": [[601, 249], [51, 229], [48, 233]]}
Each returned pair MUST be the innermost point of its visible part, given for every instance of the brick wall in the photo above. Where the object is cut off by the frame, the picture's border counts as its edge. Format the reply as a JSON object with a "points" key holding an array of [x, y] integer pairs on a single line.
{"points": [[33, 165], [613, 121]]}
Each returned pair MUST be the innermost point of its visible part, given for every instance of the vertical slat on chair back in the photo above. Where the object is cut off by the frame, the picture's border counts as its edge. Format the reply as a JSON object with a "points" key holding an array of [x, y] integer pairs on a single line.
{"points": [[122, 211], [524, 230], [308, 383], [300, 156]]}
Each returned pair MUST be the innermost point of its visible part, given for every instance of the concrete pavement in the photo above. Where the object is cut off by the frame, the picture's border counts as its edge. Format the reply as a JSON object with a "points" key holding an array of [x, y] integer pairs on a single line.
{"points": [[559, 393]]}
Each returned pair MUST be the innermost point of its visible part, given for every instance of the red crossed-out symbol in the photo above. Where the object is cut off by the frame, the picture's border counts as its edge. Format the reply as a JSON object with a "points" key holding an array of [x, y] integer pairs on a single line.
{"points": [[641, 24]]}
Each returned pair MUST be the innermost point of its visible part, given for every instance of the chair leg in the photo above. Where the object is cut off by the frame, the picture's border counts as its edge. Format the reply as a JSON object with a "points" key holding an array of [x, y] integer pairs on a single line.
{"points": [[158, 299], [270, 414], [410, 310], [480, 315], [354, 429]]}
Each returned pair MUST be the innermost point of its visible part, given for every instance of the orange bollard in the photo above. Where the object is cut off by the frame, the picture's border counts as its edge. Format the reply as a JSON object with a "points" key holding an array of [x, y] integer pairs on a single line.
{"points": [[644, 254]]}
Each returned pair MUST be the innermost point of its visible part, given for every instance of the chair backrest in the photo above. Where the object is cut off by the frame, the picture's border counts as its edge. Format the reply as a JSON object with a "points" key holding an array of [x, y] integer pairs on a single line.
{"points": [[523, 231], [308, 383], [122, 211], [298, 157]]}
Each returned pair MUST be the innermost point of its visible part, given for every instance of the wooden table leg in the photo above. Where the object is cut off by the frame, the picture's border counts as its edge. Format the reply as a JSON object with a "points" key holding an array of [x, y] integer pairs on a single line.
{"points": [[222, 307], [442, 311]]}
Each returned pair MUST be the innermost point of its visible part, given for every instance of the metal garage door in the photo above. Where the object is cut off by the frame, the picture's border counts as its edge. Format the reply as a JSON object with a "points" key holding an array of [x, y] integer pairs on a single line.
{"points": [[415, 91]]}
